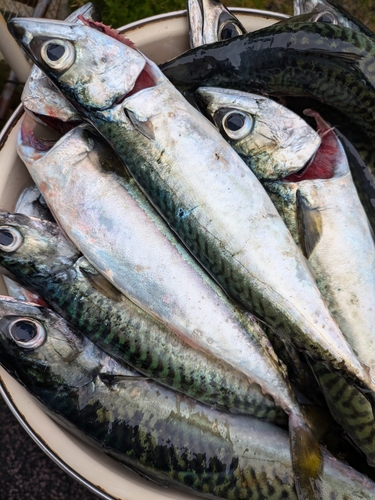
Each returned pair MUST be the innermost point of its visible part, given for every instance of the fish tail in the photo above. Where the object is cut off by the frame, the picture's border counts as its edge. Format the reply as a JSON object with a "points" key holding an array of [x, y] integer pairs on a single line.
{"points": [[307, 459]]}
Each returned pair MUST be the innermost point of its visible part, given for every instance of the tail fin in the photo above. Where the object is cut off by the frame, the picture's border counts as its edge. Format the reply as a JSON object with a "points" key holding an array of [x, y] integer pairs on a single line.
{"points": [[307, 460]]}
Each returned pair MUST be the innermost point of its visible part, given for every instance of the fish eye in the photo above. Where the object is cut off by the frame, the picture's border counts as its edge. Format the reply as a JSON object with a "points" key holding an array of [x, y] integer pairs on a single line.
{"points": [[27, 333], [229, 30], [325, 16], [10, 239], [58, 54], [237, 124]]}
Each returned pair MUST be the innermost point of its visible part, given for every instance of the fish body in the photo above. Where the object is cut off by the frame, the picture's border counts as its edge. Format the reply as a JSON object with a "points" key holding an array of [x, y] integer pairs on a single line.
{"points": [[152, 269], [224, 332], [179, 157], [328, 221], [341, 251], [125, 331], [330, 63], [158, 433], [339, 242], [337, 236]]}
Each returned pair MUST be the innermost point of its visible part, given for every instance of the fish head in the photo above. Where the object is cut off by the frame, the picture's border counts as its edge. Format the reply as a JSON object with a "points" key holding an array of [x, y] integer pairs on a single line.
{"points": [[30, 247], [210, 21], [39, 348], [305, 6], [270, 138], [93, 69], [40, 97]]}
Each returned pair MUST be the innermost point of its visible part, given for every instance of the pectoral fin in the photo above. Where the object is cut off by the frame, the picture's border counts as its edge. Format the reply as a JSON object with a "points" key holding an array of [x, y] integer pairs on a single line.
{"points": [[102, 285], [310, 225]]}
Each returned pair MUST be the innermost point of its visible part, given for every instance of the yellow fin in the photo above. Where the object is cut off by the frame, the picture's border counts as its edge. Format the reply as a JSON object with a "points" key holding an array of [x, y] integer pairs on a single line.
{"points": [[307, 460]]}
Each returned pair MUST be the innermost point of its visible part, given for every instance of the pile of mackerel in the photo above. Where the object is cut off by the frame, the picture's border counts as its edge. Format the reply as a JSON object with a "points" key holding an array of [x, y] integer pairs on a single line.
{"points": [[196, 262]]}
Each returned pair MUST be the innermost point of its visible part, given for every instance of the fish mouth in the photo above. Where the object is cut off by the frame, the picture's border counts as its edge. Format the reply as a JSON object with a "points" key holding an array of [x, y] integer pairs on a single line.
{"points": [[33, 139]]}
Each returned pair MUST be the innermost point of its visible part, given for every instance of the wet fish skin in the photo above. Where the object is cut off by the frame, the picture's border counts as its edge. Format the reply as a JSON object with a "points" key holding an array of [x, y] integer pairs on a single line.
{"points": [[344, 275], [30, 202], [246, 348], [128, 334], [226, 332], [348, 406], [328, 220], [343, 17], [209, 21], [272, 148], [189, 211], [209, 452]]}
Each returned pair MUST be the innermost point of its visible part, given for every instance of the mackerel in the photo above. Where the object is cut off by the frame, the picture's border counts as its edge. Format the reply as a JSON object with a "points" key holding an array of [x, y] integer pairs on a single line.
{"points": [[160, 434], [181, 156], [123, 330], [272, 140], [229, 334], [40, 96], [327, 220]]}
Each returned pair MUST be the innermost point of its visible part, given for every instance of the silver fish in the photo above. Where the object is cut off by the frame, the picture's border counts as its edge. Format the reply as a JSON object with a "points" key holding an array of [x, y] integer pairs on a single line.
{"points": [[182, 156], [158, 433], [153, 269], [41, 97], [210, 21], [32, 203], [327, 220]]}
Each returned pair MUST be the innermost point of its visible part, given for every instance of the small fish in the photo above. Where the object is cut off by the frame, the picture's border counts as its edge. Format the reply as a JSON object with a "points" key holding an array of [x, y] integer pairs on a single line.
{"points": [[32, 203], [158, 433], [339, 245], [315, 60], [223, 330], [210, 21]]}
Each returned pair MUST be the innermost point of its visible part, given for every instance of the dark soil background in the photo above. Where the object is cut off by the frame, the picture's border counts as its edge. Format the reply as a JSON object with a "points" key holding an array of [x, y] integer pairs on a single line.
{"points": [[26, 473]]}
